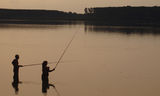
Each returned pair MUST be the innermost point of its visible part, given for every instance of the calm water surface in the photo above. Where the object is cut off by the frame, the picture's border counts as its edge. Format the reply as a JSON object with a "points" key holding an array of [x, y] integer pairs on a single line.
{"points": [[101, 61]]}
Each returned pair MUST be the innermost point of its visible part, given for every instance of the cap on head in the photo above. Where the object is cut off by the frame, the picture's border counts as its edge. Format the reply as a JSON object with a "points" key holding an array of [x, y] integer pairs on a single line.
{"points": [[17, 56]]}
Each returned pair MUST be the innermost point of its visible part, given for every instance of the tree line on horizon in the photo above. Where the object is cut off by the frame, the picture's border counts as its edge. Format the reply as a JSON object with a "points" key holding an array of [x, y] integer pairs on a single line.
{"points": [[97, 15], [36, 14], [124, 15]]}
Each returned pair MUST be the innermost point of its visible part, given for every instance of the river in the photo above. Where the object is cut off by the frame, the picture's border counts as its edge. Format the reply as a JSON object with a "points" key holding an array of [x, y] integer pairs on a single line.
{"points": [[101, 60]]}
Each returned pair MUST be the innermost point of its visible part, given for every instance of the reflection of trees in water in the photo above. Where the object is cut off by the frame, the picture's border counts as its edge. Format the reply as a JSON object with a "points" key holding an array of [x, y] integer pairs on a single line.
{"points": [[123, 29], [57, 24]]}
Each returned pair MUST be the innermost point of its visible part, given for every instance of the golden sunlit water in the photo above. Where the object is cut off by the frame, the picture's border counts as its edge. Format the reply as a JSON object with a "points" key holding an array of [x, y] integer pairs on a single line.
{"points": [[101, 61]]}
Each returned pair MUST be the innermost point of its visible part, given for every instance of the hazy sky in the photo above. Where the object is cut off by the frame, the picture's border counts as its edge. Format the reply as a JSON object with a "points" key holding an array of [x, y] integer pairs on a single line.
{"points": [[73, 5]]}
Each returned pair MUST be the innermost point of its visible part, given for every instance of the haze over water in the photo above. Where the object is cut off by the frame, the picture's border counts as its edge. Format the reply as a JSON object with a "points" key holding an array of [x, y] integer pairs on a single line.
{"points": [[101, 61]]}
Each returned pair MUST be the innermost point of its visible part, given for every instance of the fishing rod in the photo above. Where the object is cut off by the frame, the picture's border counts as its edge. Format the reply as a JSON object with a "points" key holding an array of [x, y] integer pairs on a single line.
{"points": [[37, 64], [65, 49], [27, 65]]}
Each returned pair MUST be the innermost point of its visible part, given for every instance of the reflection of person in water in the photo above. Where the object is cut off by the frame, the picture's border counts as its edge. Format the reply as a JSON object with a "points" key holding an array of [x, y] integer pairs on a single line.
{"points": [[45, 74], [15, 86], [16, 68]]}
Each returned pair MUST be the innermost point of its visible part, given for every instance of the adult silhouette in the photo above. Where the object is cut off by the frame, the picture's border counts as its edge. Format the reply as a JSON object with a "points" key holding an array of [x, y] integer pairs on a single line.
{"points": [[45, 74], [16, 66]]}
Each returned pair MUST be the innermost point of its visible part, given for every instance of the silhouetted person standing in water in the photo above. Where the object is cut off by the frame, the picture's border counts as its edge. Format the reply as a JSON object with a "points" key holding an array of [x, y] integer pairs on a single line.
{"points": [[45, 74], [16, 69], [16, 73]]}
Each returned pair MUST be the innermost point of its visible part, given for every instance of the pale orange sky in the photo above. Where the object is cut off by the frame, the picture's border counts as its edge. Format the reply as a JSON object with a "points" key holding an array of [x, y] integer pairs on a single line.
{"points": [[73, 5]]}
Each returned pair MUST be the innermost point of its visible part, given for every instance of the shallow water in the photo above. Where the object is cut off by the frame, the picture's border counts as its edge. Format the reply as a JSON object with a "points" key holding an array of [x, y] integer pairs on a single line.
{"points": [[101, 61]]}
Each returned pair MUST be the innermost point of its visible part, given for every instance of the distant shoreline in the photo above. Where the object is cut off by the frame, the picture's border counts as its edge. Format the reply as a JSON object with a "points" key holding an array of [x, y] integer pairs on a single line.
{"points": [[128, 16]]}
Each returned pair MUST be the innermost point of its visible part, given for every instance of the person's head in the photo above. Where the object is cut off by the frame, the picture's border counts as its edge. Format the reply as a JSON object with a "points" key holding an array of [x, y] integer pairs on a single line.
{"points": [[17, 56], [44, 63]]}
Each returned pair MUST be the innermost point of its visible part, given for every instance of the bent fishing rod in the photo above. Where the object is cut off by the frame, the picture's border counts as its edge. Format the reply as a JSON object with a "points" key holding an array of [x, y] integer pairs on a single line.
{"points": [[65, 50], [35, 64]]}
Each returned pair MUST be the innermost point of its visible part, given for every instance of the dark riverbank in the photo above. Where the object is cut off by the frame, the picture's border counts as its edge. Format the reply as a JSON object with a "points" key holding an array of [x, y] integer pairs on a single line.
{"points": [[21, 16], [128, 16], [148, 16]]}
